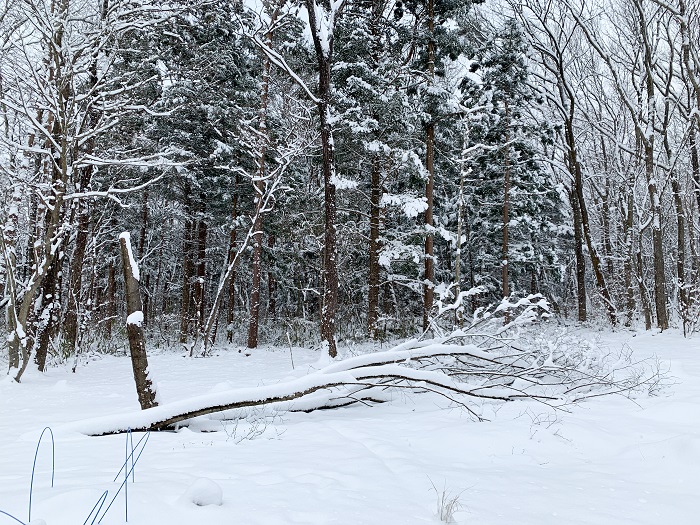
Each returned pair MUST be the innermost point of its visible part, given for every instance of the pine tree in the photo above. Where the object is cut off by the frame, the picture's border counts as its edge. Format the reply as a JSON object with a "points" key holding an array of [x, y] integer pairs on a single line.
{"points": [[514, 205], [374, 125], [203, 93], [439, 37]]}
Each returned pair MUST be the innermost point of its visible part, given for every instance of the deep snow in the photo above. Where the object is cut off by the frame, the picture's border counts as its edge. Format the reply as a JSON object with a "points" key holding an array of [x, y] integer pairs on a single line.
{"points": [[609, 461]]}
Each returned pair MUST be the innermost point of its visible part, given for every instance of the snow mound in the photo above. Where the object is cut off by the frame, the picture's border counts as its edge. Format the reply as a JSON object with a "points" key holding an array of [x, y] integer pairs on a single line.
{"points": [[204, 492], [37, 522], [224, 386]]}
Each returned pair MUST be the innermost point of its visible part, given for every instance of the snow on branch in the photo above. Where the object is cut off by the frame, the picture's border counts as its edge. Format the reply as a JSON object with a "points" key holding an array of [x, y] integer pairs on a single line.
{"points": [[279, 61]]}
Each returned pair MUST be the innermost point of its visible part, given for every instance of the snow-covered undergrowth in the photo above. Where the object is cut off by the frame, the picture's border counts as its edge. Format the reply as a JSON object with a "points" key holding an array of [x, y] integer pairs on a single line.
{"points": [[608, 460]]}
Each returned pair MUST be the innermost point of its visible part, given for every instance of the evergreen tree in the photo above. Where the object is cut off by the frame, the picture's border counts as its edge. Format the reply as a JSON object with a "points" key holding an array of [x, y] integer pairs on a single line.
{"points": [[374, 151], [439, 36], [203, 95], [514, 206]]}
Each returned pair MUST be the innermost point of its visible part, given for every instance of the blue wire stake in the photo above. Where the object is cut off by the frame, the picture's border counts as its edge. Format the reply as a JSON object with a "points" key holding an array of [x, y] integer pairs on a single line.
{"points": [[53, 467], [130, 437], [11, 516], [126, 475], [127, 471], [146, 436], [98, 506]]}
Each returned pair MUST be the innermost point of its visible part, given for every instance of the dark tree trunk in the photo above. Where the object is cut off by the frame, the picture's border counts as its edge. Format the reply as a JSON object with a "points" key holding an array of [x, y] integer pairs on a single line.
{"points": [[607, 240], [323, 46], [374, 249], [429, 272], [187, 273], [256, 270], [695, 163], [258, 191], [32, 236], [111, 306], [657, 242], [629, 253], [683, 305], [10, 237], [50, 285], [50, 312], [200, 288], [141, 250], [70, 328], [75, 284], [330, 266], [158, 295], [506, 215], [646, 134], [146, 299], [144, 224], [271, 283], [643, 293], [134, 329], [231, 253], [580, 259], [575, 170]]}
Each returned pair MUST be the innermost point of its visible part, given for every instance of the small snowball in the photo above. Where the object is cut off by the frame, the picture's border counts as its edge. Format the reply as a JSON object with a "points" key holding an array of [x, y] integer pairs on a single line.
{"points": [[61, 386], [204, 492], [221, 387]]}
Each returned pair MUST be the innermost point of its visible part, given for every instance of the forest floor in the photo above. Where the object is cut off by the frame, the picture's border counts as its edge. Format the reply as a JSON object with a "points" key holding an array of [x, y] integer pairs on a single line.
{"points": [[609, 460]]}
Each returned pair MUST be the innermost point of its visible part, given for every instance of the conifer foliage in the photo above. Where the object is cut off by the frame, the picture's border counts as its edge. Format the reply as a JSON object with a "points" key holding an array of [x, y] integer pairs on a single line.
{"points": [[326, 171], [514, 209]]}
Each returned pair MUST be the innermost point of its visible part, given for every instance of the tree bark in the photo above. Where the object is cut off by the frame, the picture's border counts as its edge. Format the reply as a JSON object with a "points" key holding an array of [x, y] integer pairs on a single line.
{"points": [[200, 288], [374, 249], [144, 224], [429, 271], [463, 172], [141, 250], [695, 162], [111, 306], [48, 319], [429, 263], [645, 132], [145, 389], [683, 305], [256, 270], [605, 220], [231, 254], [580, 259], [629, 252], [271, 282], [323, 46], [9, 238], [258, 190], [575, 170], [70, 323], [187, 272], [657, 241], [506, 214], [643, 294]]}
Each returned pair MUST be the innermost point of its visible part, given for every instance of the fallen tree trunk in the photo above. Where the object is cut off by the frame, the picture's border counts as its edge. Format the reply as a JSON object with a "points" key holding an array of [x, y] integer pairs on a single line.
{"points": [[499, 373]]}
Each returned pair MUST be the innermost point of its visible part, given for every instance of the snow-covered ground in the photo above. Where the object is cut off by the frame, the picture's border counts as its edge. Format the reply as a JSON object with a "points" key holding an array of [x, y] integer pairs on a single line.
{"points": [[609, 461]]}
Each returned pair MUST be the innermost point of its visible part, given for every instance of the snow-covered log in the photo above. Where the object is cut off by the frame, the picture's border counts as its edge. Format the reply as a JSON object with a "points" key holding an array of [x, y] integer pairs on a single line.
{"points": [[462, 374]]}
